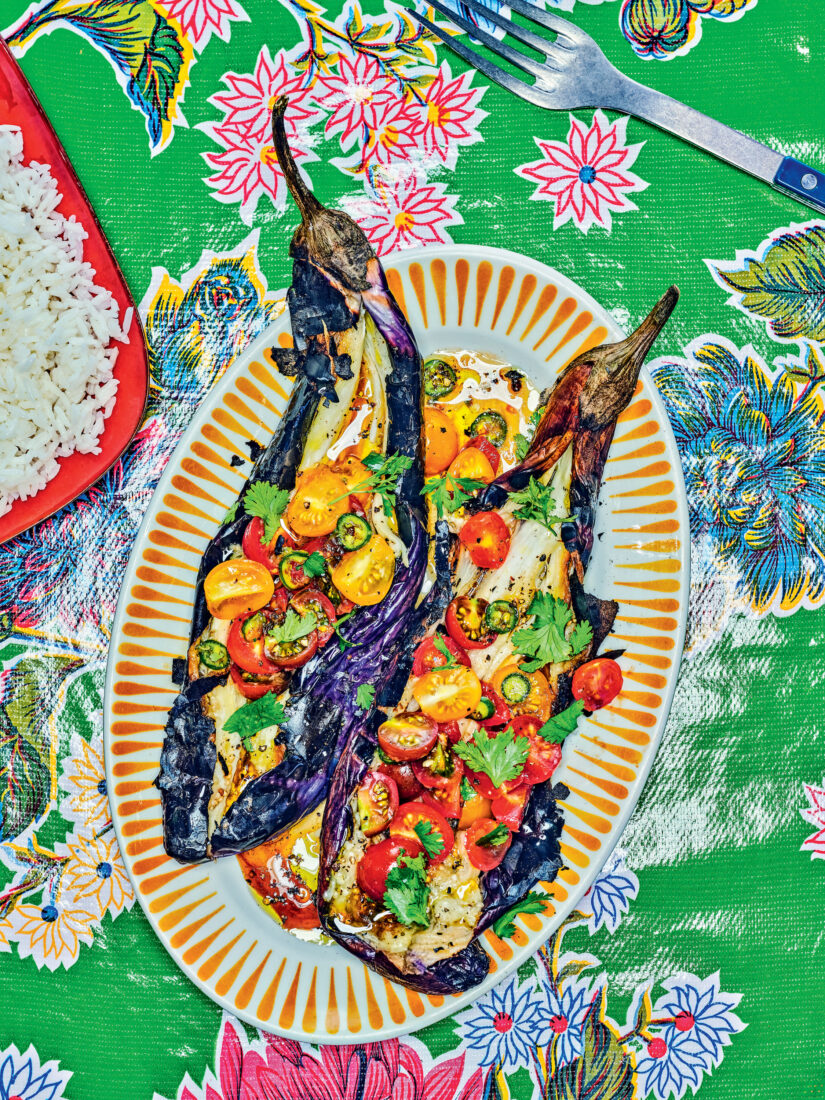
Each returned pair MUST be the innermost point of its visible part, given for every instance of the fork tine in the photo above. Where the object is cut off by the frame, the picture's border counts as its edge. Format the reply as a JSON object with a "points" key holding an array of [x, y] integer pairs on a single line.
{"points": [[512, 83], [527, 64], [562, 27], [528, 37]]}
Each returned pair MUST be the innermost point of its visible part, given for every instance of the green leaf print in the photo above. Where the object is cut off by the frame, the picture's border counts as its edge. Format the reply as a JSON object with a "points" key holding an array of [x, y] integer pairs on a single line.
{"points": [[603, 1071]]}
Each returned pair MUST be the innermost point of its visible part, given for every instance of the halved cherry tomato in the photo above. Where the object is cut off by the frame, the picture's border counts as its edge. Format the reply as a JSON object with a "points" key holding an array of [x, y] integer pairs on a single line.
{"points": [[316, 603], [439, 769], [487, 448], [448, 694], [472, 463], [440, 440], [487, 539], [377, 802], [256, 548], [501, 714], [411, 814], [377, 862], [319, 500], [447, 800], [251, 687], [509, 806], [452, 731], [465, 623], [293, 654], [544, 756], [246, 649], [353, 472], [428, 656], [234, 587], [408, 736], [365, 576], [538, 700], [404, 778], [484, 785], [597, 683], [485, 856], [473, 809], [280, 600]]}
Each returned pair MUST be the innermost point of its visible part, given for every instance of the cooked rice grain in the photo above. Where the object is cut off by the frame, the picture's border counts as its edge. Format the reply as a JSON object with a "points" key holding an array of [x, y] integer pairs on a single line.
{"points": [[56, 385]]}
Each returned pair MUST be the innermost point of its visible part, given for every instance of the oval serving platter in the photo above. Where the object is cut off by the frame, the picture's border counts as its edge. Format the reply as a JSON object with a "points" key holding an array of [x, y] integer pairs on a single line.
{"points": [[20, 107], [205, 915]]}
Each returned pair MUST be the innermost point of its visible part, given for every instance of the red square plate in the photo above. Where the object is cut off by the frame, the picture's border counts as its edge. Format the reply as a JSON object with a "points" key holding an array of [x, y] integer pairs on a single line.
{"points": [[19, 107]]}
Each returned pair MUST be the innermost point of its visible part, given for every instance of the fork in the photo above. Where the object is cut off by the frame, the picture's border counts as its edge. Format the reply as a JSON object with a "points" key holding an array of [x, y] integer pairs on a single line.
{"points": [[575, 73]]}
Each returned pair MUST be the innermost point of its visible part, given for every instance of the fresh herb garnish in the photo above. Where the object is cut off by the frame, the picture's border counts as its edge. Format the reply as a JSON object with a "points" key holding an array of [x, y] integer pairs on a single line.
{"points": [[431, 840], [385, 471], [505, 926], [536, 415], [407, 891], [537, 502], [365, 696], [449, 493], [555, 729], [315, 565], [292, 629], [468, 791], [255, 716], [495, 837], [502, 756], [522, 446], [268, 502], [441, 646], [344, 643], [547, 641], [231, 515]]}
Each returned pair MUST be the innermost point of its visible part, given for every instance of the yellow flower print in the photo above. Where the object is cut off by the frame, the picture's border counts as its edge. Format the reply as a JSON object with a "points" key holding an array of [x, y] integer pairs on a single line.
{"points": [[95, 876], [51, 933], [84, 781]]}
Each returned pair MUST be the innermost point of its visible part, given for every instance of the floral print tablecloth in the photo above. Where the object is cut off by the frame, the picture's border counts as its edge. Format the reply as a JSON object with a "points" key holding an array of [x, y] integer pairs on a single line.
{"points": [[695, 964]]}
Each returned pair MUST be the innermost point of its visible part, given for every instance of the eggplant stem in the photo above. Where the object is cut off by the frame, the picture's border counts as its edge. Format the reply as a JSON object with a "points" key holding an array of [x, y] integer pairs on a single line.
{"points": [[304, 198]]}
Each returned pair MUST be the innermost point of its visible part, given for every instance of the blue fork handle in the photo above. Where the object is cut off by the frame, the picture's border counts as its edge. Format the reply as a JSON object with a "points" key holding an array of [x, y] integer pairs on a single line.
{"points": [[803, 182]]}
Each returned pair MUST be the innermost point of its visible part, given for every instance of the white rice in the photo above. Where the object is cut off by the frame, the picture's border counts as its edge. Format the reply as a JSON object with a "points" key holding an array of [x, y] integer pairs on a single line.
{"points": [[56, 385]]}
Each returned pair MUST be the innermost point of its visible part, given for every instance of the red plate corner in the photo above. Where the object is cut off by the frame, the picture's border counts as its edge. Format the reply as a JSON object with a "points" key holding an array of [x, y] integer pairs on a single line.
{"points": [[19, 107]]}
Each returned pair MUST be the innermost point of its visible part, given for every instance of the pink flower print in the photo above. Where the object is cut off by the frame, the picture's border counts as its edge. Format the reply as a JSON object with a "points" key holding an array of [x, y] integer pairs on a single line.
{"points": [[587, 177], [248, 104], [449, 116], [403, 213], [815, 814], [359, 95], [200, 19]]}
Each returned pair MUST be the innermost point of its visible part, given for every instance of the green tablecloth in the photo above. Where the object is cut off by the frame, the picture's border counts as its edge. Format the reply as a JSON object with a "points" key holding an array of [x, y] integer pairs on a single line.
{"points": [[701, 946]]}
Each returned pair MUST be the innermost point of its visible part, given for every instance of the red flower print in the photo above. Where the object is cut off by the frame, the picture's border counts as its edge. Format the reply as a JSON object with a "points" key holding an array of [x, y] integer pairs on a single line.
{"points": [[587, 177], [449, 117], [358, 94], [248, 104], [403, 212], [200, 19], [815, 843]]}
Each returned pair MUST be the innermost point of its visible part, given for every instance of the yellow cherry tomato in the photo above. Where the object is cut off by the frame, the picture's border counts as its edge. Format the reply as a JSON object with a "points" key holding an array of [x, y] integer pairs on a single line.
{"points": [[319, 501], [440, 440], [473, 810], [448, 694], [365, 575], [352, 472], [471, 462], [236, 586], [538, 702]]}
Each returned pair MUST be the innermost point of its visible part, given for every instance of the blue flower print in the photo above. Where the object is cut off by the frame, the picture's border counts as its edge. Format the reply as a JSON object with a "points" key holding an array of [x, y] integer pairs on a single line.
{"points": [[567, 1010], [506, 1024], [701, 1013], [608, 899], [23, 1078], [666, 1069]]}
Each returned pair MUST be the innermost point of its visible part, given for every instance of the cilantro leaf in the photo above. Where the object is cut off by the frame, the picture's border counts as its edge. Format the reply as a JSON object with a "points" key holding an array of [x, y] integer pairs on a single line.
{"points": [[431, 839], [522, 446], [501, 756], [441, 646], [231, 515], [536, 415], [344, 643], [365, 696], [468, 791], [407, 891], [555, 729], [537, 502], [449, 493], [255, 716], [268, 502], [315, 565], [496, 836], [385, 471], [546, 640], [505, 926], [293, 628]]}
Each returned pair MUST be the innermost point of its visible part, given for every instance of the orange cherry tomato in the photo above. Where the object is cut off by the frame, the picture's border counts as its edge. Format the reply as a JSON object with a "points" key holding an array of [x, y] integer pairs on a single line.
{"points": [[473, 809], [237, 586], [353, 472], [538, 701], [486, 447], [319, 501], [402, 827], [487, 538], [440, 440], [472, 463], [448, 694], [365, 575], [485, 843], [597, 683]]}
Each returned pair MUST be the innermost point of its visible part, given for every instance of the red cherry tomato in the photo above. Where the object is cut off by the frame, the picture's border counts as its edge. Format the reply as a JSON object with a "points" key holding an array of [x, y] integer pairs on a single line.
{"points": [[251, 688], [377, 862], [484, 785], [408, 736], [597, 683], [428, 656], [487, 539], [508, 807], [439, 769], [316, 603], [488, 449], [377, 802], [245, 643], [485, 856], [280, 600], [544, 756], [451, 730], [255, 547], [465, 623], [404, 778], [501, 715], [293, 654], [402, 826], [447, 800]]}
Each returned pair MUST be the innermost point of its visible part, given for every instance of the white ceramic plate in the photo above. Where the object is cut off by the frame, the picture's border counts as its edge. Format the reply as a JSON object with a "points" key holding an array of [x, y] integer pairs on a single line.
{"points": [[205, 915]]}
